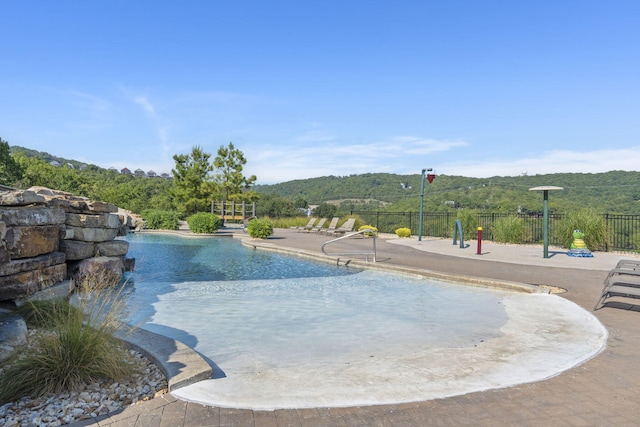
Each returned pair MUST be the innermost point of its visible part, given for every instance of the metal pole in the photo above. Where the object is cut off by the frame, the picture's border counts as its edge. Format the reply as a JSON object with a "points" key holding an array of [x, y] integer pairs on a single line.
{"points": [[545, 220], [421, 203]]}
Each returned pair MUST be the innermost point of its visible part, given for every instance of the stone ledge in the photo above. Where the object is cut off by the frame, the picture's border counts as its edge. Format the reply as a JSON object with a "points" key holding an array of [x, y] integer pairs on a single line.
{"points": [[181, 364]]}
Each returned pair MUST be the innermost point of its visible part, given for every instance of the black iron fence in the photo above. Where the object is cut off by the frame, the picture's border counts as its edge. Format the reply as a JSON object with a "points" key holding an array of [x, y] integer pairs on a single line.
{"points": [[623, 230]]}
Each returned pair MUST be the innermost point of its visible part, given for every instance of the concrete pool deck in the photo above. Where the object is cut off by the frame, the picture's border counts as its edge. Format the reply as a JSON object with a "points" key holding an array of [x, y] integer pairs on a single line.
{"points": [[602, 391]]}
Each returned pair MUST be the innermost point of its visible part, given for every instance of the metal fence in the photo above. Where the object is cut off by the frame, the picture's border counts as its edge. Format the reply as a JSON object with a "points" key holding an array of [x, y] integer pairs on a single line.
{"points": [[623, 230]]}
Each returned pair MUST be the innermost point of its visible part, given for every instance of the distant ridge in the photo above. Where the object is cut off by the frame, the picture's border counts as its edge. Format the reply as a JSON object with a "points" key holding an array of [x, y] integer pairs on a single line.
{"points": [[608, 192], [613, 192]]}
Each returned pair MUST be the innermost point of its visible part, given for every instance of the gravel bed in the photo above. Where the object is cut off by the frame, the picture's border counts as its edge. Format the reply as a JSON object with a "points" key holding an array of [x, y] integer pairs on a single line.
{"points": [[90, 401]]}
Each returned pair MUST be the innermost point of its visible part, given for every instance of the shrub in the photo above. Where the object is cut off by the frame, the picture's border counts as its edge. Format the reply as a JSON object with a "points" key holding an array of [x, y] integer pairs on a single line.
{"points": [[403, 232], [260, 228], [204, 222], [370, 227], [511, 229], [590, 223], [470, 221], [77, 347], [156, 219]]}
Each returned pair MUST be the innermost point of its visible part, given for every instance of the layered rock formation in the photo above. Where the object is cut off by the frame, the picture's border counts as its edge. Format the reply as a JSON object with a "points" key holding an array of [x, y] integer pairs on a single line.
{"points": [[50, 236]]}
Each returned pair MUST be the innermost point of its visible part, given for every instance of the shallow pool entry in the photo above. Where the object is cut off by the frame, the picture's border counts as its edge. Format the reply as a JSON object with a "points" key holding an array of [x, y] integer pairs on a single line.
{"points": [[310, 334]]}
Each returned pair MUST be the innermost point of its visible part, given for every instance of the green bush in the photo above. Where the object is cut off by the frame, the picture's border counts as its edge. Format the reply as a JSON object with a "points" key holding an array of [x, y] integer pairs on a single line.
{"points": [[591, 223], [204, 222], [403, 232], [156, 219], [260, 228], [511, 229], [77, 347]]}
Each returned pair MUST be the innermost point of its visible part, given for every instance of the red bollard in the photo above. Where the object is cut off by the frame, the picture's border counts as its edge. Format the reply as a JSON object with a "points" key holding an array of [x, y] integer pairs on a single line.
{"points": [[479, 241]]}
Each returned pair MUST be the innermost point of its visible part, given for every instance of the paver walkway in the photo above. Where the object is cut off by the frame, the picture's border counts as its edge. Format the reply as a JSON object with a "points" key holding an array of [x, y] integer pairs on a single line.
{"points": [[604, 391]]}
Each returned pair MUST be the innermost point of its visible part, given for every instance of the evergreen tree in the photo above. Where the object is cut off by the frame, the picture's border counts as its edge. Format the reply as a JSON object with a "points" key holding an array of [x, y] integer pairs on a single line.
{"points": [[229, 163], [193, 186]]}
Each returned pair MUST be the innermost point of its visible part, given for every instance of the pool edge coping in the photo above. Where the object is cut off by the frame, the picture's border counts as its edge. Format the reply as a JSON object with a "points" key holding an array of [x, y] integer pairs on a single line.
{"points": [[412, 271]]}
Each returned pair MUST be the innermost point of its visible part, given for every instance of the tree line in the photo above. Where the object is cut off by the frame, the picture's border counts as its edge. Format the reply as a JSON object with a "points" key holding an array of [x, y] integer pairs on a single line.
{"points": [[197, 179], [616, 192]]}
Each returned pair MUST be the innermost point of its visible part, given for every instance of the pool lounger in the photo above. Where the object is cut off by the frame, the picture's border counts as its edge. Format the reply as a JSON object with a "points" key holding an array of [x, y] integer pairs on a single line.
{"points": [[622, 281]]}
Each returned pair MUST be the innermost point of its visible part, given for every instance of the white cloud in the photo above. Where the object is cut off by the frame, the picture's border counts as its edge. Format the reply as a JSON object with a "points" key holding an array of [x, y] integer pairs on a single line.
{"points": [[554, 161], [145, 104], [401, 154]]}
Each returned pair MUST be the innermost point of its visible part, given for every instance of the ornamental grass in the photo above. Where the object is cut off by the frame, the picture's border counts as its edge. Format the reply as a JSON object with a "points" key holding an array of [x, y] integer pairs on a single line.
{"points": [[74, 344]]}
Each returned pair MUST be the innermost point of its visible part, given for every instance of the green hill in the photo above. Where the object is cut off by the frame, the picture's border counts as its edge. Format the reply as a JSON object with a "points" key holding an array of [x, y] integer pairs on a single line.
{"points": [[610, 192], [615, 192]]}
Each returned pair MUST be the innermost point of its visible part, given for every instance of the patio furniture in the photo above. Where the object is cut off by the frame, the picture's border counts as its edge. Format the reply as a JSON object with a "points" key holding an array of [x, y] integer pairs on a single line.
{"points": [[622, 281]]}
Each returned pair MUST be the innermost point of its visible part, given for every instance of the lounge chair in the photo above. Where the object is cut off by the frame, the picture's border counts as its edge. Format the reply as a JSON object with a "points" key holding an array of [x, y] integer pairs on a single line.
{"points": [[347, 227], [626, 271], [319, 226], [622, 281], [309, 225], [332, 226]]}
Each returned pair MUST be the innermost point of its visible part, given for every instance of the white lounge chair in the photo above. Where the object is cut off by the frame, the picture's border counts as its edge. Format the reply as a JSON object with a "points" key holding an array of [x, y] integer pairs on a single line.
{"points": [[319, 226], [309, 225], [332, 226], [347, 227]]}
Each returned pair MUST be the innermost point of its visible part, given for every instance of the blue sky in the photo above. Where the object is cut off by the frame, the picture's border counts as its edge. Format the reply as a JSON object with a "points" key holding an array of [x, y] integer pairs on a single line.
{"points": [[315, 88]]}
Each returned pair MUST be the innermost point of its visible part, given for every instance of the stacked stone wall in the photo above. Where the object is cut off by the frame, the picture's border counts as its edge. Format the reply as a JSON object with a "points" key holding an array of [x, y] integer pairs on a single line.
{"points": [[48, 237]]}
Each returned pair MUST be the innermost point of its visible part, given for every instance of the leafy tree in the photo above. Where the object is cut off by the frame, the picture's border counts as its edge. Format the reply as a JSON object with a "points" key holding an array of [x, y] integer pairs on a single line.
{"points": [[10, 171], [301, 202], [134, 193], [229, 163], [193, 186], [37, 172], [277, 207], [325, 210]]}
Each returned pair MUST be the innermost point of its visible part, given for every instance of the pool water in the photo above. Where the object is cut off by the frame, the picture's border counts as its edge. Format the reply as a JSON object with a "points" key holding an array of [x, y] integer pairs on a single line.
{"points": [[258, 301], [168, 258], [316, 334]]}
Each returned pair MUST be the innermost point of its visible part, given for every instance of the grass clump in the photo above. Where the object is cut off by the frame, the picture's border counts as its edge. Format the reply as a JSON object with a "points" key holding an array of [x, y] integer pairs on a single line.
{"points": [[470, 222], [511, 229], [590, 223], [45, 313], [75, 346]]}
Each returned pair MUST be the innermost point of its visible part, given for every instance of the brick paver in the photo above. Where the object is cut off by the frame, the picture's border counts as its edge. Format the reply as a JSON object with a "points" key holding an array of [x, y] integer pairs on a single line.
{"points": [[604, 391]]}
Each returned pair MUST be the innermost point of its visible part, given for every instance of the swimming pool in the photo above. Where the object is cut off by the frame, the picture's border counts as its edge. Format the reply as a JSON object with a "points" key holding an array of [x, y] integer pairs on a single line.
{"points": [[284, 332]]}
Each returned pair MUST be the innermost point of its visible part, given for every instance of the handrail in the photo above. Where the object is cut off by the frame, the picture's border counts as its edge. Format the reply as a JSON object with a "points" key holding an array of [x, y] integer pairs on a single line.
{"points": [[366, 254]]}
